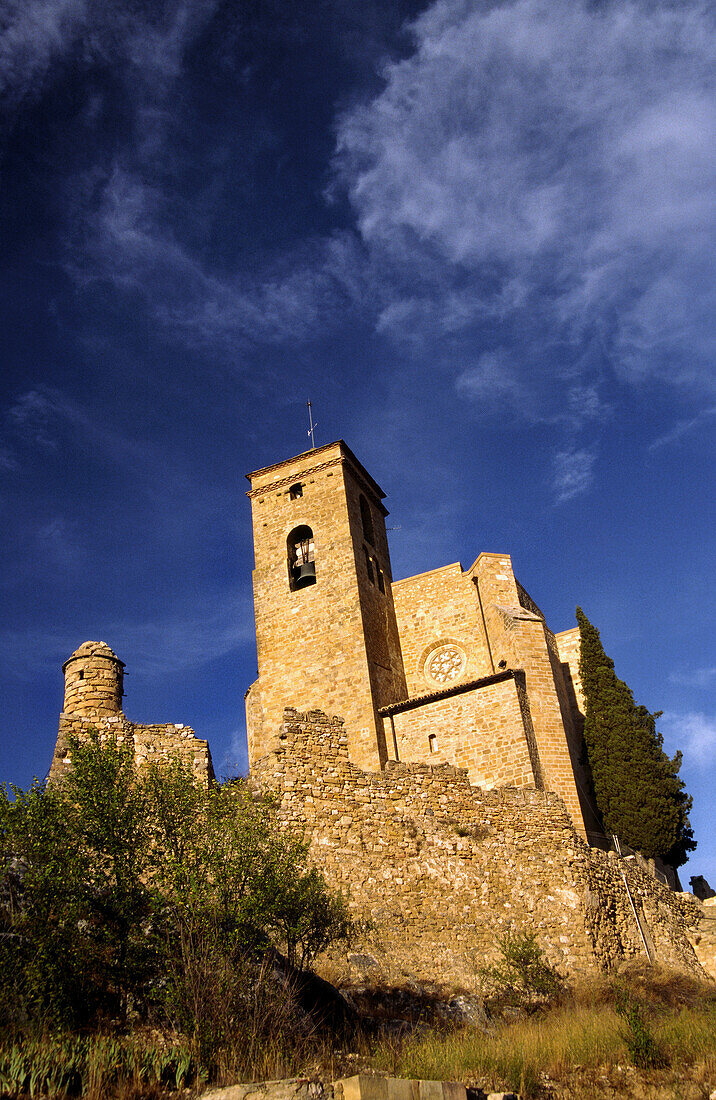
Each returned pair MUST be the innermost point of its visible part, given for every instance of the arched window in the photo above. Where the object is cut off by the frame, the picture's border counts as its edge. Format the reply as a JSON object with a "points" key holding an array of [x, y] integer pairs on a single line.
{"points": [[301, 558], [369, 565], [366, 520]]}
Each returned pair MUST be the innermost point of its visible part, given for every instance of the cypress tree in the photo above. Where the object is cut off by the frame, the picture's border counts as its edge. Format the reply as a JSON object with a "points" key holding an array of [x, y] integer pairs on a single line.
{"points": [[637, 786]]}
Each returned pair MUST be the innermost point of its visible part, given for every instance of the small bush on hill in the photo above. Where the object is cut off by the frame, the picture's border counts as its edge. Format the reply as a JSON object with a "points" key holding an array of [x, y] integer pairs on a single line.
{"points": [[643, 1048], [522, 976]]}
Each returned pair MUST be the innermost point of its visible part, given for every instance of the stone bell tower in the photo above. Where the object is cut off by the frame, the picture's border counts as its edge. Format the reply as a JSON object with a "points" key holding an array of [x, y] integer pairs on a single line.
{"points": [[325, 622]]}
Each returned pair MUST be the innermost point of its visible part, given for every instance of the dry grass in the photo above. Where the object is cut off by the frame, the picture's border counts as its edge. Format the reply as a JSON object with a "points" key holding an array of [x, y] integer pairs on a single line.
{"points": [[584, 1030]]}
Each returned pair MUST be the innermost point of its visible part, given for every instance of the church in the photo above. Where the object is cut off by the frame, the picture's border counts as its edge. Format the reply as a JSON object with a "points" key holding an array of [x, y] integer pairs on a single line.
{"points": [[453, 666], [425, 735]]}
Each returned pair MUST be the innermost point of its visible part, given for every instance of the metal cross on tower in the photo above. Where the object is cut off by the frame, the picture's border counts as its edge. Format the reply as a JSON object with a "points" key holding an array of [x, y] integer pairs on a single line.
{"points": [[312, 426]]}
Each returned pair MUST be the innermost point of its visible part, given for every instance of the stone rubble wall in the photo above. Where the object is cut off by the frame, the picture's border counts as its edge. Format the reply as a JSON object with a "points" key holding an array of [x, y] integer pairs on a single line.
{"points": [[151, 743], [703, 936], [443, 868]]}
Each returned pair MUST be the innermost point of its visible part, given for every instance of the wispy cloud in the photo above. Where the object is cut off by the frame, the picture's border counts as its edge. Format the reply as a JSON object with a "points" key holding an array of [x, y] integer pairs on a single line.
{"points": [[30, 416], [572, 473], [694, 733], [58, 543], [45, 417], [694, 677], [236, 757], [33, 36], [8, 461], [493, 380], [121, 216], [127, 242], [145, 46], [684, 427], [546, 165], [178, 642]]}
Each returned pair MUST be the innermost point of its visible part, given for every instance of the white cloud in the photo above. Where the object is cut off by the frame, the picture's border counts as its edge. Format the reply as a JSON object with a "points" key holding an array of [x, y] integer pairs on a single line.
{"points": [[572, 473], [694, 677], [694, 733], [682, 428], [548, 163]]}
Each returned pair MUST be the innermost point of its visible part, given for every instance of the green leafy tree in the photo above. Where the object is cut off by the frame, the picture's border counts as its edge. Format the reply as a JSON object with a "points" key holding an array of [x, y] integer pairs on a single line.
{"points": [[637, 786], [123, 893], [73, 890]]}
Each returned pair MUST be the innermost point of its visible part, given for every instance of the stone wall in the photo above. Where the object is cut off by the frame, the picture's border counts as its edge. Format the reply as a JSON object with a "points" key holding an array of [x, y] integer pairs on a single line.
{"points": [[334, 642], [94, 681], [152, 744], [442, 867], [519, 637], [481, 727], [569, 646], [435, 609]]}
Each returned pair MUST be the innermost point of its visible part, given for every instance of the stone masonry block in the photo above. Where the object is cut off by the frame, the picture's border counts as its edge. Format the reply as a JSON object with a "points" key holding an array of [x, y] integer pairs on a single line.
{"points": [[362, 1087], [400, 1088]]}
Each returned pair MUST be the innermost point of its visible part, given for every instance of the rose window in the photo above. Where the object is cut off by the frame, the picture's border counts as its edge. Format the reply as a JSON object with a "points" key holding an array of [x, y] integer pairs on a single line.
{"points": [[445, 664]]}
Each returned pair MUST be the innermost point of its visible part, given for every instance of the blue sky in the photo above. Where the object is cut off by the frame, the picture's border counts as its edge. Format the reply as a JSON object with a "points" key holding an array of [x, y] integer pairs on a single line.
{"points": [[478, 236]]}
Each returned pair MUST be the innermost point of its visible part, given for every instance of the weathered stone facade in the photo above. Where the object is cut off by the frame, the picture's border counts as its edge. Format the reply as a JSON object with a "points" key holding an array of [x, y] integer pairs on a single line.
{"points": [[451, 806], [443, 868], [334, 642], [414, 666], [94, 678]]}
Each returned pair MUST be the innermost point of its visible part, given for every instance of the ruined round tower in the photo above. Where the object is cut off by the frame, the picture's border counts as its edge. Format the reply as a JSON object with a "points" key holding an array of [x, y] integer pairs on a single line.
{"points": [[94, 682], [94, 688]]}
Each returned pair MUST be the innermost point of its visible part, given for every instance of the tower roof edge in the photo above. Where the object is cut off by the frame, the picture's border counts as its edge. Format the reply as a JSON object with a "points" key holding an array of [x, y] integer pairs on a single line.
{"points": [[93, 649], [345, 452]]}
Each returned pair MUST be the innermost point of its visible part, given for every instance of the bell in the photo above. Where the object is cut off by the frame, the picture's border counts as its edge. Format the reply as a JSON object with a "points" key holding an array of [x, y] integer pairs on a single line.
{"points": [[304, 574]]}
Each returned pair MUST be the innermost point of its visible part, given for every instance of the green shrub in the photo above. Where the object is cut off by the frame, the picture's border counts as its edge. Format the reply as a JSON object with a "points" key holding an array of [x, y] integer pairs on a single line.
{"points": [[643, 1048], [522, 976]]}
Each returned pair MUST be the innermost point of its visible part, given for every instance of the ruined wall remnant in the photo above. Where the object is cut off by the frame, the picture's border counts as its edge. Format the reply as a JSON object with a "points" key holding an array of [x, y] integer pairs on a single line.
{"points": [[94, 677], [443, 868]]}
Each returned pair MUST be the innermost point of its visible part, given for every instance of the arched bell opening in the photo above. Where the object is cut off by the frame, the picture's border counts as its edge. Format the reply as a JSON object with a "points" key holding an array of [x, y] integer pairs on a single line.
{"points": [[301, 558], [366, 520]]}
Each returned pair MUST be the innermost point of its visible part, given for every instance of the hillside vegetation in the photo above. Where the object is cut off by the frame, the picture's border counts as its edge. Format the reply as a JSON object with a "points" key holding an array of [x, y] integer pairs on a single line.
{"points": [[157, 936], [146, 901]]}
